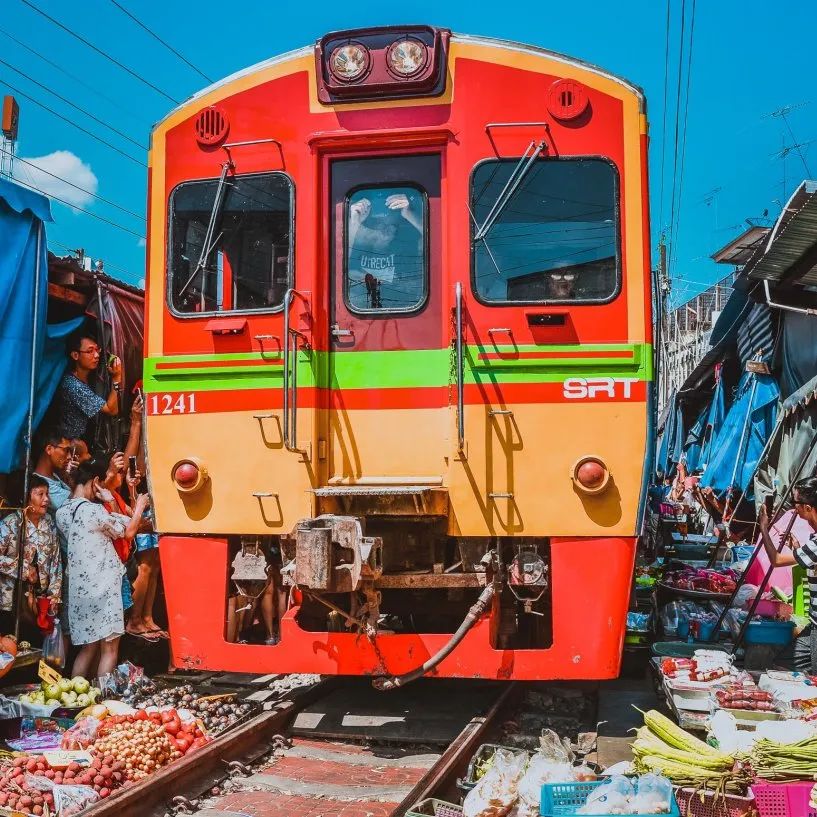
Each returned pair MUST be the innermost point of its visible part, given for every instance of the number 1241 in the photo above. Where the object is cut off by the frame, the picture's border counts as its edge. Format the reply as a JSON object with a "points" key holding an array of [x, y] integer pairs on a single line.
{"points": [[172, 404]]}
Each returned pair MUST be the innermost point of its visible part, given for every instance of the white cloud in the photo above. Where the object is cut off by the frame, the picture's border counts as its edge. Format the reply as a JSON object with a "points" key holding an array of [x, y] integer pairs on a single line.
{"points": [[141, 283], [142, 242], [67, 166]]}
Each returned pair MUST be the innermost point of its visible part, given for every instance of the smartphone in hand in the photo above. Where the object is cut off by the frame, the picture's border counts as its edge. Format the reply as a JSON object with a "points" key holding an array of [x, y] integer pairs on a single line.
{"points": [[132, 467]]}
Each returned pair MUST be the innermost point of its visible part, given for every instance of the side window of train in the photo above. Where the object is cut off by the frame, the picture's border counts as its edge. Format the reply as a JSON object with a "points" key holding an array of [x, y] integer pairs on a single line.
{"points": [[386, 267], [231, 252], [555, 238]]}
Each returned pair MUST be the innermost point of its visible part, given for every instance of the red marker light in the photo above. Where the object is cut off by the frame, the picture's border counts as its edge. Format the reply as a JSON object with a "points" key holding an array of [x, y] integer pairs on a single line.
{"points": [[188, 475], [590, 475]]}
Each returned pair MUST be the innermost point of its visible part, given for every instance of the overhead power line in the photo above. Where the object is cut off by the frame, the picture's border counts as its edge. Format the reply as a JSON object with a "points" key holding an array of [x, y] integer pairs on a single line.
{"points": [[106, 262], [74, 105], [87, 212], [82, 189], [100, 51], [72, 123], [159, 39], [664, 126], [68, 74], [677, 126]]}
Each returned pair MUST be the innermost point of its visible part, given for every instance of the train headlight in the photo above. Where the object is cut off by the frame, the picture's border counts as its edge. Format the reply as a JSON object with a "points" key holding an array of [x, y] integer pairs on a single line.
{"points": [[590, 475], [188, 475], [349, 62], [407, 57]]}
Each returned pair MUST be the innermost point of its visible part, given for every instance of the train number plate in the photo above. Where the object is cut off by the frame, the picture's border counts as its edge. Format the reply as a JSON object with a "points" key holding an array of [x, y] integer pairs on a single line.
{"points": [[184, 403]]}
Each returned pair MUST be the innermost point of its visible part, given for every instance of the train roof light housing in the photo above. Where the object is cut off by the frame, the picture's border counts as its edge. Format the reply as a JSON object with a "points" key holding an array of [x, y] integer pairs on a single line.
{"points": [[590, 475], [350, 62], [406, 57], [403, 61]]}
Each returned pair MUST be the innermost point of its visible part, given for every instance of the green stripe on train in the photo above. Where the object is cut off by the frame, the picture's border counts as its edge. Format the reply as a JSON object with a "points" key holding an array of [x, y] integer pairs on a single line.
{"points": [[397, 369]]}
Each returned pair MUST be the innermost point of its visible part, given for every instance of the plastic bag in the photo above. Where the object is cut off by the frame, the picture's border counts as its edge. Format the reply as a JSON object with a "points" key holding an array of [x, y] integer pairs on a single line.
{"points": [[54, 648], [654, 795], [745, 596], [81, 735], [497, 791], [554, 748], [543, 769], [68, 800], [613, 797], [671, 615]]}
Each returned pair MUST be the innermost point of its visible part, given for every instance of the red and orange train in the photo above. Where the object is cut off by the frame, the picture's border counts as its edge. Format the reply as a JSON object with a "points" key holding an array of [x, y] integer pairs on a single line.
{"points": [[399, 326]]}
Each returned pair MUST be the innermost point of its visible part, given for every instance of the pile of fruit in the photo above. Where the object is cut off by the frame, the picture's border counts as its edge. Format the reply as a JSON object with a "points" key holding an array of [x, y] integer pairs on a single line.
{"points": [[166, 732], [217, 713], [69, 692], [703, 580]]}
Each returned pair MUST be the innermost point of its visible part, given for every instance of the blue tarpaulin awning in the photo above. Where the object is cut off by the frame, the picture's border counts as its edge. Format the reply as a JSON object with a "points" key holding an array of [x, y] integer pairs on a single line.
{"points": [[25, 340], [672, 440], [746, 429]]}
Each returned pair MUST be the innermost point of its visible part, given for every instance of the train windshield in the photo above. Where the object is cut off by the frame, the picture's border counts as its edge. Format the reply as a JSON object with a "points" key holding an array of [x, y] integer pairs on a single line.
{"points": [[244, 263], [556, 239]]}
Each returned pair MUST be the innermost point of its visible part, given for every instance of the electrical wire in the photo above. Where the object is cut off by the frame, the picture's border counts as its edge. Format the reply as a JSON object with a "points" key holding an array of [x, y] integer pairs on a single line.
{"points": [[74, 105], [100, 51], [664, 126], [677, 125], [674, 238], [87, 212], [74, 77], [71, 122], [107, 264], [159, 39], [77, 187]]}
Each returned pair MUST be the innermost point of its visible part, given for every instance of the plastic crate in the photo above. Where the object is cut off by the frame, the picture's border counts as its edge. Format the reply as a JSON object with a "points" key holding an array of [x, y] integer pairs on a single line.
{"points": [[800, 587], [783, 799], [769, 632], [565, 799], [701, 803], [434, 808]]}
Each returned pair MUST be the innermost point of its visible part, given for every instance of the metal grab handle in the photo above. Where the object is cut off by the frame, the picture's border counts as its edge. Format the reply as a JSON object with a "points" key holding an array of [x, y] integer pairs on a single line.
{"points": [[292, 338], [337, 332], [460, 369]]}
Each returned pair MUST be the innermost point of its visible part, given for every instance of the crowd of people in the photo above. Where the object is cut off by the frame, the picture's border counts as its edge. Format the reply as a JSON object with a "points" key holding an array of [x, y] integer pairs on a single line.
{"points": [[90, 557]]}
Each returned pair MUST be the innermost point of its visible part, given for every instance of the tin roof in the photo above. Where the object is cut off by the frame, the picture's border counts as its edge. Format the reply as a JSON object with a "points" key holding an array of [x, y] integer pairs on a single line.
{"points": [[739, 250], [790, 254]]}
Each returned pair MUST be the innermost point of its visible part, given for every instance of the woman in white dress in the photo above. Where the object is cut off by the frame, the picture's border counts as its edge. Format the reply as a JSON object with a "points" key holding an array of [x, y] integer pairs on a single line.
{"points": [[95, 590]]}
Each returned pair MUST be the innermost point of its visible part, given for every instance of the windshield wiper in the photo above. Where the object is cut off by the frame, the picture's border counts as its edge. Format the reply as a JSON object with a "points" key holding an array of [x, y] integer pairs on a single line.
{"points": [[210, 242], [516, 178]]}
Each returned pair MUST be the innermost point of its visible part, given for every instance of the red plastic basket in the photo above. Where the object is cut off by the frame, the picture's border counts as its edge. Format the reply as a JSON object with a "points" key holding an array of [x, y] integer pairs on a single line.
{"points": [[694, 803], [783, 799]]}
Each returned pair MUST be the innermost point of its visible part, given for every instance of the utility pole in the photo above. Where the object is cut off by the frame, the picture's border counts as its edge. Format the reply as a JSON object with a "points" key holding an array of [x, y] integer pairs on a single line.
{"points": [[9, 126]]}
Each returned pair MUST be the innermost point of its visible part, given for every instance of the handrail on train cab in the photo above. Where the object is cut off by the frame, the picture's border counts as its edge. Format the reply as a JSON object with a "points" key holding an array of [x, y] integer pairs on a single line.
{"points": [[460, 368], [292, 337]]}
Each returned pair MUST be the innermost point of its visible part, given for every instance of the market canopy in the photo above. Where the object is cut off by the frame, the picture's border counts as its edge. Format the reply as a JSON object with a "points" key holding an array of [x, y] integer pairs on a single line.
{"points": [[747, 427], [25, 339], [792, 450]]}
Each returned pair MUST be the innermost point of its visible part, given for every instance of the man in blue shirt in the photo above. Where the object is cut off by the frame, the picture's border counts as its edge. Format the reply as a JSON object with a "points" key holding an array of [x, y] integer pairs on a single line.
{"points": [[79, 403], [54, 456]]}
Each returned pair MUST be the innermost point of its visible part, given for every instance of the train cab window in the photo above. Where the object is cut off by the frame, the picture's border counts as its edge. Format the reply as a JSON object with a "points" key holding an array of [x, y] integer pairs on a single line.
{"points": [[230, 252], [552, 239], [386, 266]]}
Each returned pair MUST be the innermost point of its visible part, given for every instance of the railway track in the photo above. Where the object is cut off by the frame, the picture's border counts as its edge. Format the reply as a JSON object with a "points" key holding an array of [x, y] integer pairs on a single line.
{"points": [[336, 748]]}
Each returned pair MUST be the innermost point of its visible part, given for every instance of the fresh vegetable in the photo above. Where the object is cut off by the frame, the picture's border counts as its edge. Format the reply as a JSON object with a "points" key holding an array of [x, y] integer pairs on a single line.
{"points": [[780, 761], [671, 733], [141, 746]]}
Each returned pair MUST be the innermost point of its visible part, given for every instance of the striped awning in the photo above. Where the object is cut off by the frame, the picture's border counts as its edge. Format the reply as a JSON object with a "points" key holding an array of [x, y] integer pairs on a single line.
{"points": [[791, 249]]}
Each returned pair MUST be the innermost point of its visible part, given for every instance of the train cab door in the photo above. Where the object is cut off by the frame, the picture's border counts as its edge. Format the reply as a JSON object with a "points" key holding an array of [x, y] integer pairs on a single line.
{"points": [[388, 356]]}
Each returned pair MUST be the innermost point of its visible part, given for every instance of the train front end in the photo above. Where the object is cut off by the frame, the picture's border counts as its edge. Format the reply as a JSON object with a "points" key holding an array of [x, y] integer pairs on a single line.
{"points": [[399, 333]]}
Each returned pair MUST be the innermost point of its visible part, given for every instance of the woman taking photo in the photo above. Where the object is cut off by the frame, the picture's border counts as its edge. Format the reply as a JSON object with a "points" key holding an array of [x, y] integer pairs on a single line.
{"points": [[42, 566], [95, 590]]}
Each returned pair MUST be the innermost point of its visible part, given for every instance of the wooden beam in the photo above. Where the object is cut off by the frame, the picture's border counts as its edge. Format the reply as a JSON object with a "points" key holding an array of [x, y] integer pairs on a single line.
{"points": [[64, 294]]}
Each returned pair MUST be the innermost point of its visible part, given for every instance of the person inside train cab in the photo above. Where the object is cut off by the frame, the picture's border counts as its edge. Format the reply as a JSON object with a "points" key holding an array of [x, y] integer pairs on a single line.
{"points": [[561, 285], [385, 257]]}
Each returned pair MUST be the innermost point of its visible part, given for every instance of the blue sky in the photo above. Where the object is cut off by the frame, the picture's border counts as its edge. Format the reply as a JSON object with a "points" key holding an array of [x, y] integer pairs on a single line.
{"points": [[748, 60]]}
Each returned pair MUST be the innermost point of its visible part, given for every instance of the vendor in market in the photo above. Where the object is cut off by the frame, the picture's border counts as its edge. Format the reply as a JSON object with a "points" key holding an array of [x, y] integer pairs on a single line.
{"points": [[804, 495], [55, 453], [42, 565]]}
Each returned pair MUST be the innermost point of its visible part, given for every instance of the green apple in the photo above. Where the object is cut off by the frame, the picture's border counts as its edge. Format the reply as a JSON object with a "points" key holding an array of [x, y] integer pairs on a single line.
{"points": [[83, 700], [38, 698], [80, 685], [94, 693], [68, 698], [53, 691], [66, 685]]}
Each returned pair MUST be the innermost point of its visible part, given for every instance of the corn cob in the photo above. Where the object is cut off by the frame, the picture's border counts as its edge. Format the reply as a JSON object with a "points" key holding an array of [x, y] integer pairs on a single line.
{"points": [[665, 729], [649, 748]]}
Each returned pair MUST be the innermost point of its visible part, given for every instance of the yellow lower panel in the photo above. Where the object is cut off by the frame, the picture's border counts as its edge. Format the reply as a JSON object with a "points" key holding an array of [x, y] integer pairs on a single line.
{"points": [[400, 443], [243, 457], [529, 455]]}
